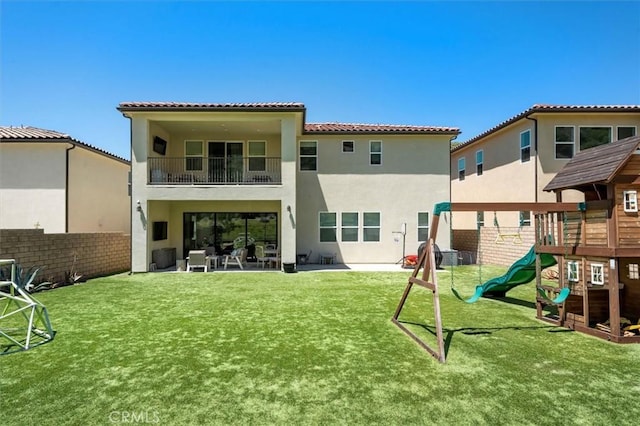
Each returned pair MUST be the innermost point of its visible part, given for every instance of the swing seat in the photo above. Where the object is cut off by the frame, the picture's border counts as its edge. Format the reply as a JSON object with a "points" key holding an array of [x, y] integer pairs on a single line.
{"points": [[559, 299], [476, 296]]}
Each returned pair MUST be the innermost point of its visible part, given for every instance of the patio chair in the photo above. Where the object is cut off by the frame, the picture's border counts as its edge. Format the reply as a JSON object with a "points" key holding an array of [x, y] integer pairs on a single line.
{"points": [[197, 259], [304, 258], [261, 259], [238, 256]]}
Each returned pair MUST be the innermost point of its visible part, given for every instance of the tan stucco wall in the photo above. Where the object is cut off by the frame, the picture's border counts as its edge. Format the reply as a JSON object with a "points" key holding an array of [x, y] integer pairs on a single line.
{"points": [[98, 197], [32, 186], [412, 178]]}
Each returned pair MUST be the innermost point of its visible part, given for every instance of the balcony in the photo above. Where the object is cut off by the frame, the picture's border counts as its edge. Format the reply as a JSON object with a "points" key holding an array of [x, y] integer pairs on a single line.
{"points": [[214, 171]]}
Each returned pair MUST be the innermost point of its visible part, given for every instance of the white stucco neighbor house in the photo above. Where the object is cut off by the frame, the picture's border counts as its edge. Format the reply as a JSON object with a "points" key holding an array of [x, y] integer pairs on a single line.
{"points": [[223, 175], [51, 181]]}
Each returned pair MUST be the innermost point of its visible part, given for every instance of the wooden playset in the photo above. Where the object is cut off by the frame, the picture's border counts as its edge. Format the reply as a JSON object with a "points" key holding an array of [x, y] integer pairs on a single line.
{"points": [[596, 245]]}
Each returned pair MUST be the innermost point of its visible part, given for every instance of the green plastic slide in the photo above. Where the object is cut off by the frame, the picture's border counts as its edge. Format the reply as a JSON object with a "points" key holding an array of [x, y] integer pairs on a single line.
{"points": [[521, 272]]}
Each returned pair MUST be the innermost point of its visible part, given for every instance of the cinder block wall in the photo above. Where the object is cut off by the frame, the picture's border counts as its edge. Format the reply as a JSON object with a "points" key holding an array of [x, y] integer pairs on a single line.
{"points": [[491, 250], [95, 254]]}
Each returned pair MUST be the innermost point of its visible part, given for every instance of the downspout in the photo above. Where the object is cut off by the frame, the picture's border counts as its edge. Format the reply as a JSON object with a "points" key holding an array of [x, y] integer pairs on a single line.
{"points": [[535, 165], [454, 137], [66, 188]]}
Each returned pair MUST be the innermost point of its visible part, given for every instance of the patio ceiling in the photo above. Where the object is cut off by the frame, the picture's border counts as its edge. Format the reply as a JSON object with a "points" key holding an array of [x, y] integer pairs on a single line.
{"points": [[248, 129]]}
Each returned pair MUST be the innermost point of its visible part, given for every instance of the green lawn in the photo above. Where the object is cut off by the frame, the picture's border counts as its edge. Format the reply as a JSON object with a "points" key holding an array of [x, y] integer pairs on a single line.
{"points": [[308, 348]]}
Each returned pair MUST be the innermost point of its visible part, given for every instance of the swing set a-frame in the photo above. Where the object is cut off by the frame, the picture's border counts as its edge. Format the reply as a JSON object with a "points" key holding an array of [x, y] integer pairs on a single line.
{"points": [[428, 278]]}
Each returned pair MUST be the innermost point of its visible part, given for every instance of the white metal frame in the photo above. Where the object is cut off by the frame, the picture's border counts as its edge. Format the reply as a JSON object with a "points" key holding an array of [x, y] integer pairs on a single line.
{"points": [[527, 146], [556, 142], [34, 327]]}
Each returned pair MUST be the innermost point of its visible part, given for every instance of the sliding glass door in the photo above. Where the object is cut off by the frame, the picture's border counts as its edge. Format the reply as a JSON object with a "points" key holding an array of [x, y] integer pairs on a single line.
{"points": [[223, 232], [226, 162]]}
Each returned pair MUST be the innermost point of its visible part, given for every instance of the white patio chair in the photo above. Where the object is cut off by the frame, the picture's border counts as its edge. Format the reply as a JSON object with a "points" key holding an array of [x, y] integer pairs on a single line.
{"points": [[238, 257], [261, 259], [197, 259]]}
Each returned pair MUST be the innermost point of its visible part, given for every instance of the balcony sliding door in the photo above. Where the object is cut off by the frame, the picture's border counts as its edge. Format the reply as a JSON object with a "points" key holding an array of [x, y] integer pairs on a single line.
{"points": [[225, 162]]}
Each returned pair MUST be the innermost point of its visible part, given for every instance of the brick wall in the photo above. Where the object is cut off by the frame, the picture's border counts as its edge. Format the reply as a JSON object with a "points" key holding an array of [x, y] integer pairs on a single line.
{"points": [[493, 250], [96, 254]]}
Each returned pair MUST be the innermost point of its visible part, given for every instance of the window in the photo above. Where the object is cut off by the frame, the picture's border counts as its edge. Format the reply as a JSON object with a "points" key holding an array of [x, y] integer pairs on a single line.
{"points": [[479, 219], [423, 226], [461, 166], [597, 273], [308, 155], [565, 138], [375, 153], [594, 136], [349, 227], [348, 146], [257, 156], [624, 132], [193, 151], [634, 271], [525, 146], [327, 227], [371, 226], [479, 161], [525, 218], [573, 268], [630, 201]]}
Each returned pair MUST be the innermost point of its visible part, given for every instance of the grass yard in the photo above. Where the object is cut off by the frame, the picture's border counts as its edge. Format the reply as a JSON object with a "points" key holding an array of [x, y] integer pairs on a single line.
{"points": [[308, 348]]}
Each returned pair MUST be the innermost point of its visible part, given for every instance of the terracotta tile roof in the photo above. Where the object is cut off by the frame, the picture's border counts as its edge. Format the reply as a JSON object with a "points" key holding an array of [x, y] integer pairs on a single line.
{"points": [[30, 133], [595, 165], [193, 106], [340, 128], [545, 108], [27, 134]]}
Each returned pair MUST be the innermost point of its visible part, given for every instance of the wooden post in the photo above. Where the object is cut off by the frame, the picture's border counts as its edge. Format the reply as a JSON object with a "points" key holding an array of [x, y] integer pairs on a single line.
{"points": [[612, 242]]}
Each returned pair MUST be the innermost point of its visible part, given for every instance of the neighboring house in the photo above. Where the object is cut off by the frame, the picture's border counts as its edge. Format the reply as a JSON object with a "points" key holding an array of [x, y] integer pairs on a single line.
{"points": [[513, 161], [51, 181], [599, 248], [219, 176]]}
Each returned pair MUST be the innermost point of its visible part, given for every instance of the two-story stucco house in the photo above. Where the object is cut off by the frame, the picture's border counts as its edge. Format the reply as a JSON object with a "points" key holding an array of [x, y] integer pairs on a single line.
{"points": [[220, 176], [52, 181], [515, 160]]}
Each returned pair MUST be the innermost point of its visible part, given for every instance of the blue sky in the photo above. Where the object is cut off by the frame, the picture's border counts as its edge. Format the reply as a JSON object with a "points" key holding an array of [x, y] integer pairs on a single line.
{"points": [[66, 66]]}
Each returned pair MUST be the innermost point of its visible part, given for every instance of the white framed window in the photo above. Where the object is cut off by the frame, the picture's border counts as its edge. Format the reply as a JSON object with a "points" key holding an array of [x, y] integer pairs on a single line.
{"points": [[328, 226], [461, 167], [348, 147], [633, 272], [371, 226], [591, 136], [479, 162], [308, 153], [623, 132], [349, 226], [597, 273], [565, 142], [525, 218], [630, 199], [194, 153], [573, 271], [257, 156], [525, 146], [479, 219], [423, 226], [375, 153]]}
